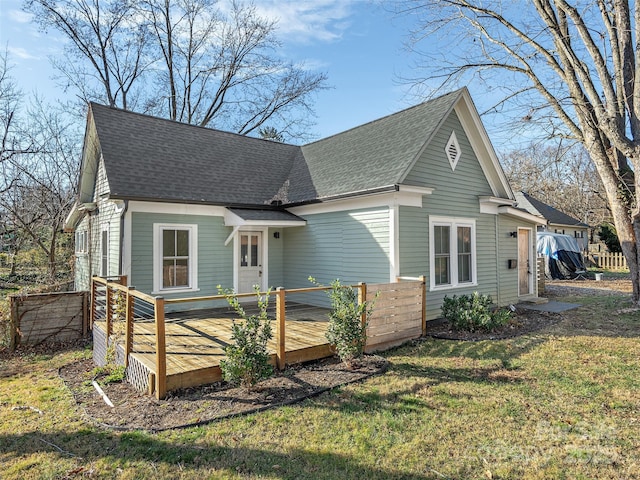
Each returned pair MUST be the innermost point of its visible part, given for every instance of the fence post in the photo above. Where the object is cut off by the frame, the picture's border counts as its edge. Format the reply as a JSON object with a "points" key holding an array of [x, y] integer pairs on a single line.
{"points": [[362, 297], [423, 280], [281, 352], [161, 349], [14, 324], [128, 340], [85, 313]]}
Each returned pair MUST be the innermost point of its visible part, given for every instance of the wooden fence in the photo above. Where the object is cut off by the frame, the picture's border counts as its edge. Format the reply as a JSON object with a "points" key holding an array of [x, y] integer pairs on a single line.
{"points": [[540, 275], [609, 261], [48, 317], [399, 315]]}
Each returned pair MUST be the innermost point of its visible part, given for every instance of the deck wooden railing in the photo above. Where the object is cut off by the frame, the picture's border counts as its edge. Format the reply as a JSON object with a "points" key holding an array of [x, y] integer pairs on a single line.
{"points": [[115, 302]]}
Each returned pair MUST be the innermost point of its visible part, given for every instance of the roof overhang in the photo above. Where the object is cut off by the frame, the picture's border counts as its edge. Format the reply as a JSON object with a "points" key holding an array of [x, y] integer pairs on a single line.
{"points": [[521, 215], [241, 217], [77, 213], [396, 195], [491, 205]]}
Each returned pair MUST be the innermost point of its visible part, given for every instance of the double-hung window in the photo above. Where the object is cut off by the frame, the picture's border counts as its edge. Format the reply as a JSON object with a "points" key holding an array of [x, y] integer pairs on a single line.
{"points": [[82, 242], [452, 252], [175, 257]]}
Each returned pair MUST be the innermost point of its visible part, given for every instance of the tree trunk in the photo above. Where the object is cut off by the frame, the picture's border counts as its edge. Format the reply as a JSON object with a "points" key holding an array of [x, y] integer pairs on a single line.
{"points": [[626, 217]]}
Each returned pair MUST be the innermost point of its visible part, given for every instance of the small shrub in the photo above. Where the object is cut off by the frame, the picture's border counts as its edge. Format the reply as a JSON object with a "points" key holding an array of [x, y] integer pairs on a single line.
{"points": [[110, 373], [473, 313], [346, 330], [247, 359]]}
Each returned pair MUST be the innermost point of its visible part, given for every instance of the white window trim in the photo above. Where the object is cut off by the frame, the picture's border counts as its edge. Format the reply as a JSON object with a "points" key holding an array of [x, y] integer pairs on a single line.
{"points": [[104, 228], [157, 257], [453, 223], [82, 242]]}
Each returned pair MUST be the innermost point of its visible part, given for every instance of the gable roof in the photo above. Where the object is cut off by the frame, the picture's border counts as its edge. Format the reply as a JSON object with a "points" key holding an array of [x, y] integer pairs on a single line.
{"points": [[154, 159], [157, 159], [541, 209], [376, 155]]}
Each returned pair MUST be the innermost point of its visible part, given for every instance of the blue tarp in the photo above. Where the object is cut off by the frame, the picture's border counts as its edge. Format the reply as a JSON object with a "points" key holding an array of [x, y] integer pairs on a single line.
{"points": [[563, 257]]}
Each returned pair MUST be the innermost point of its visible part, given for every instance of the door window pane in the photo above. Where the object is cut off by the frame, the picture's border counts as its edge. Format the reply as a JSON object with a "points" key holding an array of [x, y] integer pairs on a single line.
{"points": [[244, 250], [254, 250]]}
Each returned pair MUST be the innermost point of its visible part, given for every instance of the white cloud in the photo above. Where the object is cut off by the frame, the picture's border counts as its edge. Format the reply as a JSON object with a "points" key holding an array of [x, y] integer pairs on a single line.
{"points": [[307, 21], [21, 53], [19, 16]]}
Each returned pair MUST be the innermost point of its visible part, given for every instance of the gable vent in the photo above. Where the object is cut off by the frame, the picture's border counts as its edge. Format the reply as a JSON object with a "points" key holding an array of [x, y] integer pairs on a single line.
{"points": [[453, 150]]}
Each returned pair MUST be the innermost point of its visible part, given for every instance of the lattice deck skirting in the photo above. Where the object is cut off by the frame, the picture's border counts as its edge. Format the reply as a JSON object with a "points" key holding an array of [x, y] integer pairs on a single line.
{"points": [[136, 374]]}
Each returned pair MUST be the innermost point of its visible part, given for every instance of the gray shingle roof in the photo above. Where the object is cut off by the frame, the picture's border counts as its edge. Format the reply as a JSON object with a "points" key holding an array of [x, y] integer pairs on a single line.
{"points": [[148, 158], [374, 155], [552, 215], [152, 158]]}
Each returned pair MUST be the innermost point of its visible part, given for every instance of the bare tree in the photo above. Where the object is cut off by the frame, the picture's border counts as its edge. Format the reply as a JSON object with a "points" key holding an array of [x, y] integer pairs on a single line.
{"points": [[210, 67], [106, 57], [572, 66], [561, 176], [13, 142], [39, 181]]}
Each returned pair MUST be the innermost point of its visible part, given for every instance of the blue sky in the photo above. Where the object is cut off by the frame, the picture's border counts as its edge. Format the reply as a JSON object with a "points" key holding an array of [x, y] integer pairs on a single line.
{"points": [[359, 44]]}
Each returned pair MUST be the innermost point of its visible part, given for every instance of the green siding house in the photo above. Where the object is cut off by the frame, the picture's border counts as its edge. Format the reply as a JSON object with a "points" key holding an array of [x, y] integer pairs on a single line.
{"points": [[180, 209]]}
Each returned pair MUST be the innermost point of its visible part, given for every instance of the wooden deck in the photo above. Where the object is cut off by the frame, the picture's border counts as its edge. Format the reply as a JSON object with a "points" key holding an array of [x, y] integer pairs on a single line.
{"points": [[195, 341]]}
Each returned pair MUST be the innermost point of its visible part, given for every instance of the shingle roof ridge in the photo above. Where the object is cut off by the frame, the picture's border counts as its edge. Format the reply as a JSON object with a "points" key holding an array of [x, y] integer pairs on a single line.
{"points": [[384, 118], [188, 125]]}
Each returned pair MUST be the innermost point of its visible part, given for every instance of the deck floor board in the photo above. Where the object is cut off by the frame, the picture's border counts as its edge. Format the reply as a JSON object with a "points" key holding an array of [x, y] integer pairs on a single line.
{"points": [[195, 341]]}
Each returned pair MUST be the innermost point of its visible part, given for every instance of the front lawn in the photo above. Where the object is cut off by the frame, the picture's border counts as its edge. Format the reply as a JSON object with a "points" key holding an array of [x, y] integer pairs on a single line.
{"points": [[561, 403]]}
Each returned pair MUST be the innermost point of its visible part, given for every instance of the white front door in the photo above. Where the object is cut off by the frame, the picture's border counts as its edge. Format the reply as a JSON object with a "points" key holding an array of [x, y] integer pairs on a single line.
{"points": [[249, 261]]}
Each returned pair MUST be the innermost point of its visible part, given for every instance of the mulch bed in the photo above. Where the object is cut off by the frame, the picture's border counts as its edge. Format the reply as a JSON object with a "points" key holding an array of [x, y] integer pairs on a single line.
{"points": [[523, 321], [196, 406]]}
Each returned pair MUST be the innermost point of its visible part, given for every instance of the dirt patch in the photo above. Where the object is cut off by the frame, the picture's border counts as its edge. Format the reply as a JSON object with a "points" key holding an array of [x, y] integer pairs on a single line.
{"points": [[564, 288], [194, 406]]}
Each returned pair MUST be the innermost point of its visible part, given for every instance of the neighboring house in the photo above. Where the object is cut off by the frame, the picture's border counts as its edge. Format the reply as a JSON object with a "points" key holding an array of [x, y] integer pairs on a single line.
{"points": [[180, 209], [557, 222]]}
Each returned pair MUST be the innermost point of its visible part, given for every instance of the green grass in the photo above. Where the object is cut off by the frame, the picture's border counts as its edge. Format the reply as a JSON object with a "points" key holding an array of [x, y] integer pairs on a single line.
{"points": [[558, 404]]}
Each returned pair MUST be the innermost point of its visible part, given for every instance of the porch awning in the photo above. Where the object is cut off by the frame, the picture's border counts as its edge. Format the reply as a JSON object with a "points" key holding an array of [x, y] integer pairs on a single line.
{"points": [[238, 217]]}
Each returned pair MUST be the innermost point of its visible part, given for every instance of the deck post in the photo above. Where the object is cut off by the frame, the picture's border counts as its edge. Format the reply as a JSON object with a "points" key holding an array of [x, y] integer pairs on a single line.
{"points": [[280, 328], [423, 279], [161, 349], [362, 298], [92, 313], [109, 314], [128, 340]]}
